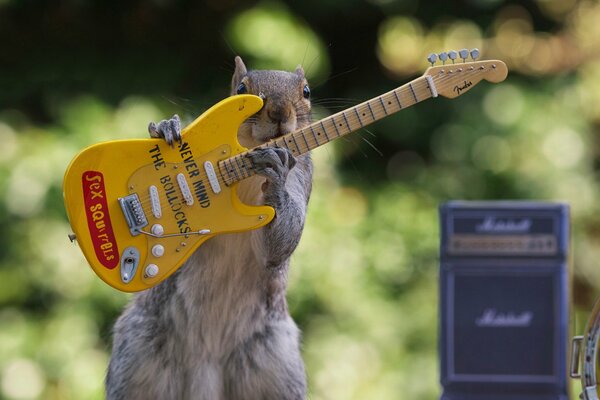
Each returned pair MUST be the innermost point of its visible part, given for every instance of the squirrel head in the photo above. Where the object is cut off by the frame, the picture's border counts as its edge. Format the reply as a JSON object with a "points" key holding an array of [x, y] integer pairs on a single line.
{"points": [[286, 97]]}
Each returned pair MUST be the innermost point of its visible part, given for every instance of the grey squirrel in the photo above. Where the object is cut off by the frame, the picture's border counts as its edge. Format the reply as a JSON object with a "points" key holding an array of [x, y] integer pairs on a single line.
{"points": [[219, 328]]}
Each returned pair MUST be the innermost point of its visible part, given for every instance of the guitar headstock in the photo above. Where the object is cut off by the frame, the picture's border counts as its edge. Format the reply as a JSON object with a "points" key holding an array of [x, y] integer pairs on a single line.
{"points": [[453, 78]]}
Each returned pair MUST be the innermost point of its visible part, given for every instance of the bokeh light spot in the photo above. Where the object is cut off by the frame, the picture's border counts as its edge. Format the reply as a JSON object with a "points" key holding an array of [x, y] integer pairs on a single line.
{"points": [[348, 206], [504, 104], [22, 379], [278, 40], [9, 141], [491, 153], [563, 147], [400, 44], [463, 34]]}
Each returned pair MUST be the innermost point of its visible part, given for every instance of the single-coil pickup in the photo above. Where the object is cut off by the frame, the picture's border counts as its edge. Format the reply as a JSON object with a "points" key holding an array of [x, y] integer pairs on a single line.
{"points": [[212, 177], [185, 189], [155, 201]]}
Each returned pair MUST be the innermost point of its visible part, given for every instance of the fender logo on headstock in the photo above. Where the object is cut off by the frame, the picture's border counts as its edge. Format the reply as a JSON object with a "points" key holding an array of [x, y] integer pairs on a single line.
{"points": [[98, 219], [464, 86]]}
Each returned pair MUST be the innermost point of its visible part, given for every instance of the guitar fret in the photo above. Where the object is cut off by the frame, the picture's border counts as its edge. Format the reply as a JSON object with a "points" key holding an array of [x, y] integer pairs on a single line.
{"points": [[413, 92], [398, 99], [358, 116], [232, 169], [314, 135], [296, 144], [305, 141], [325, 131], [223, 169], [242, 167], [382, 105], [237, 162], [335, 126], [371, 110], [286, 145], [346, 119]]}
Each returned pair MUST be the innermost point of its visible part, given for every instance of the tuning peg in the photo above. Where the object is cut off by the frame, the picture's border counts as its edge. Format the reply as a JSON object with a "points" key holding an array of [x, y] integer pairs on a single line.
{"points": [[452, 54], [443, 57], [432, 58], [464, 54], [475, 54]]}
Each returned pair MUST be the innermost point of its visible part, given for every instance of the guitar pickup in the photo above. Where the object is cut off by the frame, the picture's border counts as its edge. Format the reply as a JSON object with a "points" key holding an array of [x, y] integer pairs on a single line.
{"points": [[134, 214]]}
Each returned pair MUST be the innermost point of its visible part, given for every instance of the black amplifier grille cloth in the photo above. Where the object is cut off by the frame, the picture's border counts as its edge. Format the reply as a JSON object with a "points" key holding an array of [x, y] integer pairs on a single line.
{"points": [[503, 324]]}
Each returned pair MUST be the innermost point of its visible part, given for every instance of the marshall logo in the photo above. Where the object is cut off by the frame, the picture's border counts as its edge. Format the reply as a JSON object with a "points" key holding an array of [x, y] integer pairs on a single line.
{"points": [[491, 318], [493, 225]]}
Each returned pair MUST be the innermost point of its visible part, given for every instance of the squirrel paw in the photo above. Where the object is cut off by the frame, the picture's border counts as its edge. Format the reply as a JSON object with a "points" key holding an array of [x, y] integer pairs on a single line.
{"points": [[168, 129], [272, 163]]}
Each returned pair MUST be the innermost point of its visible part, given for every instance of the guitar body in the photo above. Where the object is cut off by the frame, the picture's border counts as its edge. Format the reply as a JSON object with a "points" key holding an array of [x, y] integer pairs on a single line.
{"points": [[139, 208]]}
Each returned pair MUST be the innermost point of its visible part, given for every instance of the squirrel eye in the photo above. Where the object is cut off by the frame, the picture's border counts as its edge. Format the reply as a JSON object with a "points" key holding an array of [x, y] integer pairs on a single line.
{"points": [[306, 92], [241, 89]]}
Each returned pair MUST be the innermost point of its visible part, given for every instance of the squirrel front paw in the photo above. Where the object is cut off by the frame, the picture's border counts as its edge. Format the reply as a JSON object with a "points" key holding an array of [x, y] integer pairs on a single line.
{"points": [[272, 163], [168, 129]]}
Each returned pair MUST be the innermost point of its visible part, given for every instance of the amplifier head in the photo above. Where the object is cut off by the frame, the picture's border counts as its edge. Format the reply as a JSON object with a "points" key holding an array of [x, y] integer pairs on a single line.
{"points": [[493, 229], [503, 300]]}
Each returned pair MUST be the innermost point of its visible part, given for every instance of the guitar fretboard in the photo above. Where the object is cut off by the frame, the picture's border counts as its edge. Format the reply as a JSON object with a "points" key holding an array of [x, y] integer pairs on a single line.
{"points": [[239, 167]]}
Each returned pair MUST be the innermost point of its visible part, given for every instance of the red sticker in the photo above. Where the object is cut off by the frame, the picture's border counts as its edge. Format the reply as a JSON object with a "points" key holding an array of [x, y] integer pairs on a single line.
{"points": [[98, 219]]}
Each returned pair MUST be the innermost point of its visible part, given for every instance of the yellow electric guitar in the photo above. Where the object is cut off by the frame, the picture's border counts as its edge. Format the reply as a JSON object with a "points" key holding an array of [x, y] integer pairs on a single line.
{"points": [[139, 208]]}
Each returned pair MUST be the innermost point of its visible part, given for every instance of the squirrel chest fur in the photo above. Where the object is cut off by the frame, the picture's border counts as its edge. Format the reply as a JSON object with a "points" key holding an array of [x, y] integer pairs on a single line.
{"points": [[219, 327]]}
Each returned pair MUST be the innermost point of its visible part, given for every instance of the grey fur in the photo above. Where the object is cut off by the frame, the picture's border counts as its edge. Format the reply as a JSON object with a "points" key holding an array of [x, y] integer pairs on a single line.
{"points": [[168, 129], [219, 328]]}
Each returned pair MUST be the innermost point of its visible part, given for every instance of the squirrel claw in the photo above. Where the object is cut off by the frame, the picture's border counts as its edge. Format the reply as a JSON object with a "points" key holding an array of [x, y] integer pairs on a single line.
{"points": [[272, 163], [167, 129]]}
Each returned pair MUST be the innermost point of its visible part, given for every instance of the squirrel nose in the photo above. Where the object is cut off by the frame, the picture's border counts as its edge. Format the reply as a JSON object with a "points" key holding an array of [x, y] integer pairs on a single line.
{"points": [[278, 114]]}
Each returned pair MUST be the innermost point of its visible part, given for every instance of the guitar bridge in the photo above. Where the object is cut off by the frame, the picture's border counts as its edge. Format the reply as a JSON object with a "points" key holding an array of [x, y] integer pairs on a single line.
{"points": [[134, 214]]}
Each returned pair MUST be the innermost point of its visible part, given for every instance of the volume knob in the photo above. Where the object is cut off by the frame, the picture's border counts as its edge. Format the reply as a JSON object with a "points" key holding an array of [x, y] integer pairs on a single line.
{"points": [[158, 250], [157, 229], [151, 270]]}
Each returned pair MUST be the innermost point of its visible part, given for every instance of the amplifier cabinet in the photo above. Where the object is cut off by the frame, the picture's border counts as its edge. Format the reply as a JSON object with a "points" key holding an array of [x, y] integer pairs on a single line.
{"points": [[504, 300]]}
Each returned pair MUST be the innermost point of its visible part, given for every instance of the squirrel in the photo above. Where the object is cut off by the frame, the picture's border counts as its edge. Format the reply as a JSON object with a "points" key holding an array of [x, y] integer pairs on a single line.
{"points": [[219, 327]]}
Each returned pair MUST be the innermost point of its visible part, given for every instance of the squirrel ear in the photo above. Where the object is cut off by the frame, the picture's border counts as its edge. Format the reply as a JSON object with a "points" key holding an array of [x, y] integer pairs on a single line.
{"points": [[240, 72], [300, 71]]}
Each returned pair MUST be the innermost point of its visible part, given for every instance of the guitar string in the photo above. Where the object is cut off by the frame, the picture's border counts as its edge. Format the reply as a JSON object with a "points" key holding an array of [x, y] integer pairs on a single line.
{"points": [[377, 107], [374, 106], [442, 81], [349, 117]]}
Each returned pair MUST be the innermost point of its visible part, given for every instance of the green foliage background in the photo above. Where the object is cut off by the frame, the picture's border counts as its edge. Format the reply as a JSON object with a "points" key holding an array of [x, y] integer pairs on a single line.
{"points": [[364, 280]]}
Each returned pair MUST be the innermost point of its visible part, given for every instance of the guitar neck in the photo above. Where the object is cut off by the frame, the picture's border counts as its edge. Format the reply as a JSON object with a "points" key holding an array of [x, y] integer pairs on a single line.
{"points": [[239, 167]]}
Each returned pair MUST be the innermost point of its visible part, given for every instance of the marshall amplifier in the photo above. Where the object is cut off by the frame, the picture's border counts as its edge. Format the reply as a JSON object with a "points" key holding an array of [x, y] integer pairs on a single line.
{"points": [[504, 300]]}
